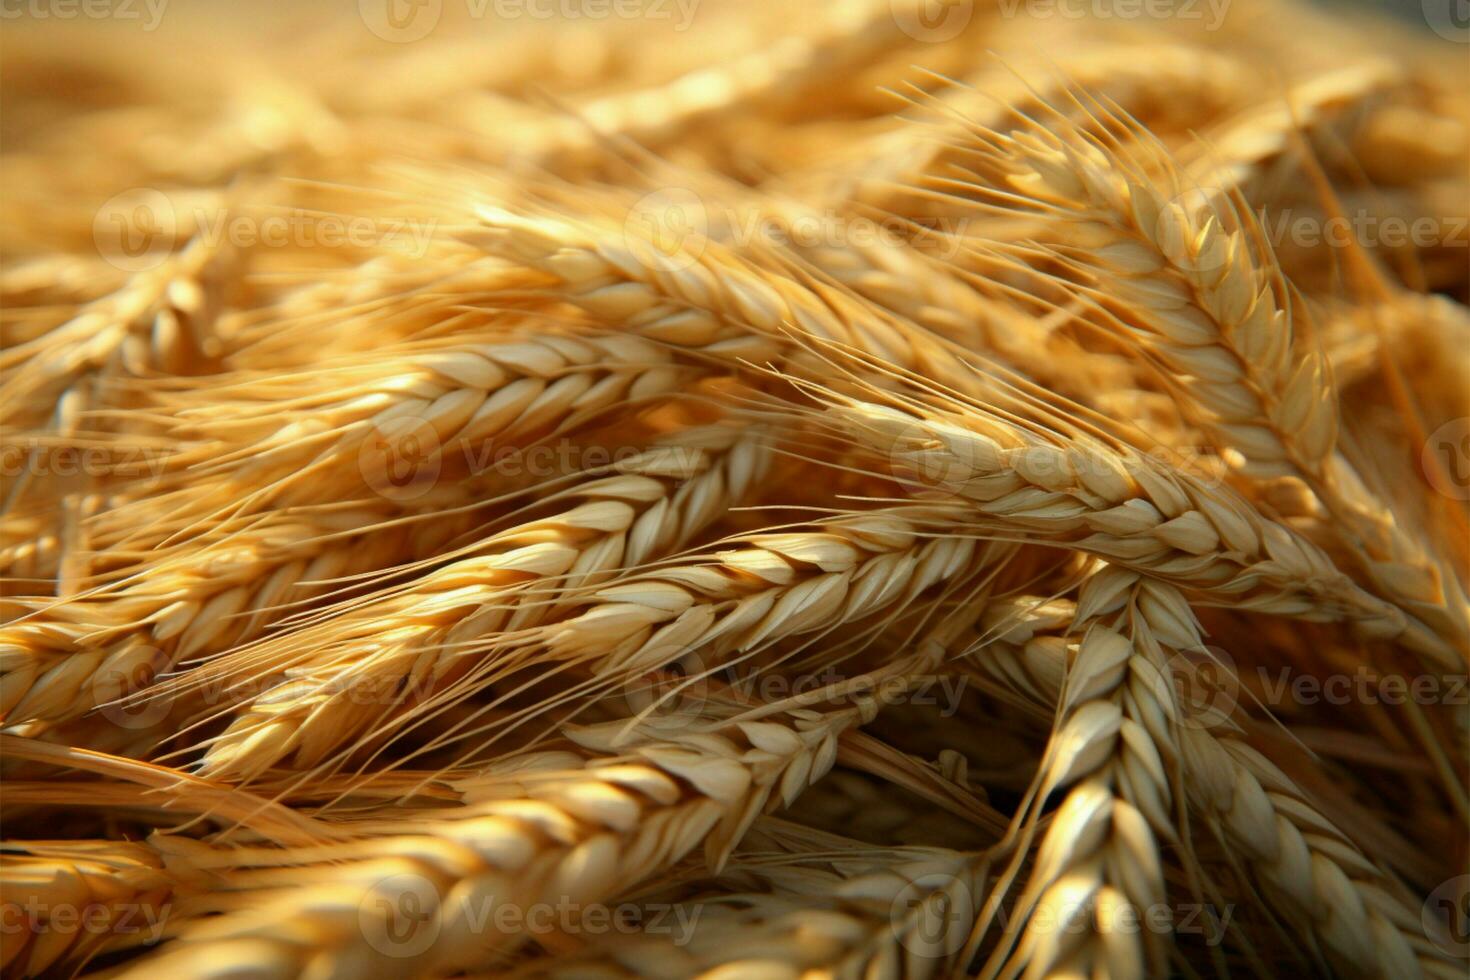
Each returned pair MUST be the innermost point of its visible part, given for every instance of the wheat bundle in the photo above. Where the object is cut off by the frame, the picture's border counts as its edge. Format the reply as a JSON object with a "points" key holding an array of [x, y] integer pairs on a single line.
{"points": [[731, 489]]}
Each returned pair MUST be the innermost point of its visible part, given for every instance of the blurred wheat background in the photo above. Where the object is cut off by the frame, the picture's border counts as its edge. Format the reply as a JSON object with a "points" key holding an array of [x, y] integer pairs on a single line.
{"points": [[726, 488]]}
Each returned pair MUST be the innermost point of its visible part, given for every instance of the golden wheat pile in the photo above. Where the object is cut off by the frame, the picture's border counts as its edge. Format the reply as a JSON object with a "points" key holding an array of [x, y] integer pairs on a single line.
{"points": [[734, 489]]}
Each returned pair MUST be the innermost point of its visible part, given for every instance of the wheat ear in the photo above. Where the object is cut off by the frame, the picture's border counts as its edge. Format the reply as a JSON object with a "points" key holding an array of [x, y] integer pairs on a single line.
{"points": [[67, 901], [1223, 323], [446, 400], [702, 297], [70, 657], [162, 319], [893, 914], [354, 674], [1311, 873], [582, 835], [1098, 865], [772, 587], [1114, 503]]}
